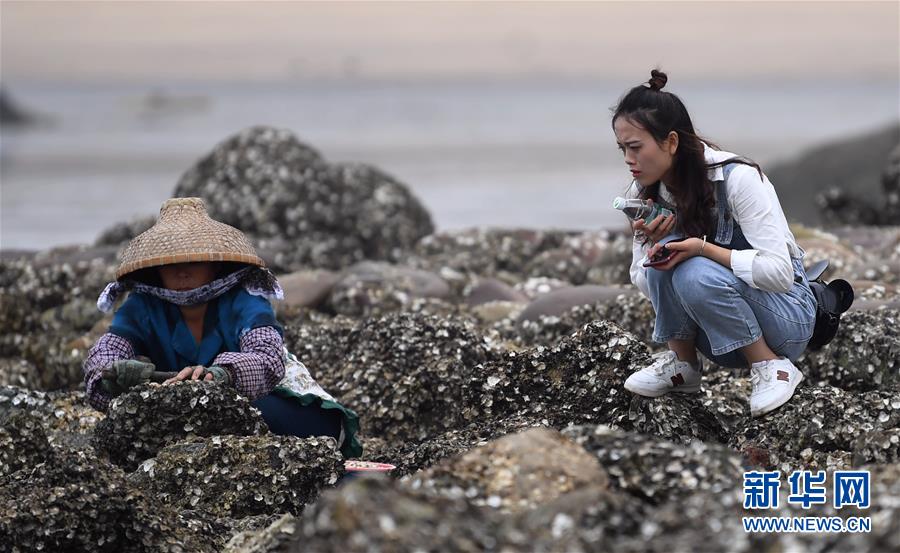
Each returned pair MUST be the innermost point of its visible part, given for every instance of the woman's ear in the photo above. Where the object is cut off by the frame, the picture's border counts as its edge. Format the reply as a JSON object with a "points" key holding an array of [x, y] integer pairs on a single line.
{"points": [[672, 141]]}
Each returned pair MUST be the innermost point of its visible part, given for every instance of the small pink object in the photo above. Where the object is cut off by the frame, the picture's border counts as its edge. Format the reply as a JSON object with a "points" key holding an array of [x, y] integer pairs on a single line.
{"points": [[367, 466]]}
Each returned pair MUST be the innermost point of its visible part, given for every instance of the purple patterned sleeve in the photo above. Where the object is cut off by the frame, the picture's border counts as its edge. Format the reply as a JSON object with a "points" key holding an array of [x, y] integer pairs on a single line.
{"points": [[260, 364], [108, 349]]}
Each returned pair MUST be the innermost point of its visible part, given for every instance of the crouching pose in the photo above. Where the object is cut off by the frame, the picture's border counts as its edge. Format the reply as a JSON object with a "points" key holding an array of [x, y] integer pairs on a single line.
{"points": [[733, 286], [199, 308]]}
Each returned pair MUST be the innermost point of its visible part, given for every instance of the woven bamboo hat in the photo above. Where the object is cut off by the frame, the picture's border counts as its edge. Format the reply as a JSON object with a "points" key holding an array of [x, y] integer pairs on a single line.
{"points": [[186, 233]]}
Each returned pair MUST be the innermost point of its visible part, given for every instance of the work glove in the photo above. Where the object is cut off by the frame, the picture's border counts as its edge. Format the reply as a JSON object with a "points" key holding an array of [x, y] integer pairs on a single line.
{"points": [[131, 372], [219, 374]]}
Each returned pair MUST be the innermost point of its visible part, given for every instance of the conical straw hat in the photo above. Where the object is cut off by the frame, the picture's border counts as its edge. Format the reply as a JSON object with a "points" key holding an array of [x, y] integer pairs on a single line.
{"points": [[185, 233]]}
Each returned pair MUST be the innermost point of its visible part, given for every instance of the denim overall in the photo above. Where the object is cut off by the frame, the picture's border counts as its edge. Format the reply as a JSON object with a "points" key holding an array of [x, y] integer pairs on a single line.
{"points": [[702, 300]]}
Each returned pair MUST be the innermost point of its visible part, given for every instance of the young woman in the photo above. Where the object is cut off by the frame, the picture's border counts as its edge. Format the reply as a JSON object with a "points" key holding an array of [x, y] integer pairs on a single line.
{"points": [[199, 305], [735, 288]]}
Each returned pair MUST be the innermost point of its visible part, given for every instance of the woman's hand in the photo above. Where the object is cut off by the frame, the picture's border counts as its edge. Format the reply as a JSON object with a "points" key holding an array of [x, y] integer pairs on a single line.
{"points": [[196, 372], [657, 229], [684, 249]]}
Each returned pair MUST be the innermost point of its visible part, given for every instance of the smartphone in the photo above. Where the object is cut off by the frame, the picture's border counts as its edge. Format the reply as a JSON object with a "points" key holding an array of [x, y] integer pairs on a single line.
{"points": [[662, 256]]}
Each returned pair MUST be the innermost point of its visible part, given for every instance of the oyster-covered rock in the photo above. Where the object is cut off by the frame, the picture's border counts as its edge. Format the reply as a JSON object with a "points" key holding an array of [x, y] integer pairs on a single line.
{"points": [[817, 429], [23, 442], [864, 354], [150, 416], [303, 210], [580, 380], [273, 537], [370, 287], [405, 373], [516, 472], [240, 476], [377, 514], [77, 502], [659, 470]]}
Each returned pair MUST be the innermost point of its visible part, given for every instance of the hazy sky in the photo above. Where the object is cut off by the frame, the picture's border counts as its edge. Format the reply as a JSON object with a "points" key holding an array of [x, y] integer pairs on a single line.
{"points": [[147, 41]]}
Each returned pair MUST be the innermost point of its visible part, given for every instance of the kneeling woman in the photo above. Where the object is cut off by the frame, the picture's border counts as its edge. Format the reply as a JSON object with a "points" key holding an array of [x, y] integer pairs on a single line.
{"points": [[199, 305], [735, 288]]}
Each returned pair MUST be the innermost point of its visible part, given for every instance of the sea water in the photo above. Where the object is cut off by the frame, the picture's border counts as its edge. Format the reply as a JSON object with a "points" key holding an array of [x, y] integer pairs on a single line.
{"points": [[538, 154]]}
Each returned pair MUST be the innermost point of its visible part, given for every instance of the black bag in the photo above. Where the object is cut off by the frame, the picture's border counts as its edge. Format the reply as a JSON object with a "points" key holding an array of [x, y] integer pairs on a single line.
{"points": [[832, 299]]}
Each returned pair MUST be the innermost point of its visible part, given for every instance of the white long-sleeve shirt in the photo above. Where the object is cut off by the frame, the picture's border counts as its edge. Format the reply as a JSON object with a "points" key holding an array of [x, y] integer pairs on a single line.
{"points": [[755, 208]]}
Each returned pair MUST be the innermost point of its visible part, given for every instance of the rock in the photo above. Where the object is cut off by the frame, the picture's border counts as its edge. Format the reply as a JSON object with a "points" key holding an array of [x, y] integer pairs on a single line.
{"points": [[817, 429], [307, 288], [562, 300], [146, 419], [121, 233], [375, 514], [879, 446], [307, 212], [592, 518], [580, 380], [11, 114], [864, 354], [405, 372], [489, 290], [77, 502], [241, 476], [271, 538], [853, 164], [843, 261], [890, 185], [657, 470], [517, 472], [371, 287], [23, 443]]}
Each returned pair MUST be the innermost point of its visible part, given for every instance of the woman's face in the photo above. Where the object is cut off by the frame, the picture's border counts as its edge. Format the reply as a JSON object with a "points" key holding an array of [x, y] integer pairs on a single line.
{"points": [[647, 160], [187, 276]]}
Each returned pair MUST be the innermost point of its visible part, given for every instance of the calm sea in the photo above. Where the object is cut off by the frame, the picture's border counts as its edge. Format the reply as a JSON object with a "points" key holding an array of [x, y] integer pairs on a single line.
{"points": [[528, 154]]}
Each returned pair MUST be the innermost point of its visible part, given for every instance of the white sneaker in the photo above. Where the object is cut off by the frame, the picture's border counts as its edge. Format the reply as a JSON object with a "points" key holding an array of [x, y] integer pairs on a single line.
{"points": [[666, 374], [773, 383]]}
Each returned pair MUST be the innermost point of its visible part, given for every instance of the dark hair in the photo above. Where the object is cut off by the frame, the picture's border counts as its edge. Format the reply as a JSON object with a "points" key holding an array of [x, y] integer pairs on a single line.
{"points": [[659, 113]]}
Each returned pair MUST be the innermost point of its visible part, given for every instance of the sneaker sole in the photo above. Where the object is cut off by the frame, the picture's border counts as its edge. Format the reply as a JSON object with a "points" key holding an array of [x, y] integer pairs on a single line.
{"points": [[768, 410], [657, 393]]}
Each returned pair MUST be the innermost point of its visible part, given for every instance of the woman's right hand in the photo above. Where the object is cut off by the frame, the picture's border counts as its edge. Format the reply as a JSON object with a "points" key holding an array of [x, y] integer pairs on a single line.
{"points": [[197, 372], [657, 229]]}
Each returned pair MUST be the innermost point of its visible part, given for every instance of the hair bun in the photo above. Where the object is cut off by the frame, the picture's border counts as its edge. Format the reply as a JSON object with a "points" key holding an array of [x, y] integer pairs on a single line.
{"points": [[657, 80]]}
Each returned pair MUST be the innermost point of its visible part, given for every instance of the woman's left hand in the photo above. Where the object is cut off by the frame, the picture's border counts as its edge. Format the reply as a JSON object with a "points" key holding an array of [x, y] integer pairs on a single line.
{"points": [[190, 373], [684, 249]]}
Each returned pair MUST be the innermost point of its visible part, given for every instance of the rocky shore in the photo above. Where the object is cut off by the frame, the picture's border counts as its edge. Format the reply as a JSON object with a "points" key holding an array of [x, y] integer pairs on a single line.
{"points": [[486, 364]]}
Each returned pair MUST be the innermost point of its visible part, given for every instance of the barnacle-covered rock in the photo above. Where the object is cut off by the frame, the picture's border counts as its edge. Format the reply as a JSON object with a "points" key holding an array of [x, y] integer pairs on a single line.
{"points": [[23, 442], [370, 287], [150, 416], [482, 251], [592, 518], [405, 373], [378, 514], [864, 354], [120, 233], [240, 476], [658, 470], [516, 472], [77, 502], [817, 429], [412, 456], [580, 380], [14, 399], [558, 314], [877, 446], [305, 211], [272, 537]]}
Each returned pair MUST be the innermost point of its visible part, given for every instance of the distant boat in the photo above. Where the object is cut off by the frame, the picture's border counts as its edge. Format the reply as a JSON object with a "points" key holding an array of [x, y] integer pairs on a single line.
{"points": [[160, 104]]}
